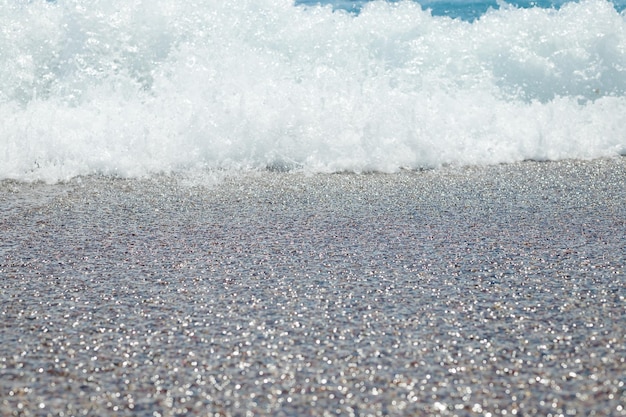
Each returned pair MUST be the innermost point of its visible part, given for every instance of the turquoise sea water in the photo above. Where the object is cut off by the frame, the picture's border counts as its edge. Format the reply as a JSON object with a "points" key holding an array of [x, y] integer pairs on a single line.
{"points": [[463, 9]]}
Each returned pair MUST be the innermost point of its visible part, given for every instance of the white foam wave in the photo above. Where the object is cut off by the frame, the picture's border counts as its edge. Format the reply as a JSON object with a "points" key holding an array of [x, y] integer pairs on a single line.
{"points": [[135, 88]]}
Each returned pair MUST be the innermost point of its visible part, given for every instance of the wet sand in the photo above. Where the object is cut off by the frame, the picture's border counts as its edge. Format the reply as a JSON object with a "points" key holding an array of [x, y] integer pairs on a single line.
{"points": [[460, 291]]}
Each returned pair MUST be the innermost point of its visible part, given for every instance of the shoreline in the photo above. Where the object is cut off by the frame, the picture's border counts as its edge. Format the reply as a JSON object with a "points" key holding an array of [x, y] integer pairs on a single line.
{"points": [[455, 291]]}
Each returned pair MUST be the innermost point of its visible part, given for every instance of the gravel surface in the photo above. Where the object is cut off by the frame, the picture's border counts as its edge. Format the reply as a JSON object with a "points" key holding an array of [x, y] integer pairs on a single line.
{"points": [[459, 291]]}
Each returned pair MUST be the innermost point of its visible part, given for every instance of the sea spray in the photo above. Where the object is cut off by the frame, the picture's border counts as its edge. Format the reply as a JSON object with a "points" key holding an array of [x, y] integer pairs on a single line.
{"points": [[134, 88]]}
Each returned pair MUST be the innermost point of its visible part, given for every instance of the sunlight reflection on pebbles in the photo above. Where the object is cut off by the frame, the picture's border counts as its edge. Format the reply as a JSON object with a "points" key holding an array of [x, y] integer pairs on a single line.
{"points": [[458, 291]]}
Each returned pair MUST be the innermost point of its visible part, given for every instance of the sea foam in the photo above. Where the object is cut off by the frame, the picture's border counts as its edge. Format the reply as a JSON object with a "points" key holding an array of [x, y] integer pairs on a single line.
{"points": [[133, 88]]}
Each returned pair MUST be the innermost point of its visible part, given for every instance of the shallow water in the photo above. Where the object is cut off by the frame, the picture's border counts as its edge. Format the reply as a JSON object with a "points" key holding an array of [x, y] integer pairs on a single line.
{"points": [[459, 291]]}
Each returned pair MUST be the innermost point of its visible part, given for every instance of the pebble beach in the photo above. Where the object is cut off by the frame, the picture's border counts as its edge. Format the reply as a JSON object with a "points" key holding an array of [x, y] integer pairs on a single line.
{"points": [[459, 291]]}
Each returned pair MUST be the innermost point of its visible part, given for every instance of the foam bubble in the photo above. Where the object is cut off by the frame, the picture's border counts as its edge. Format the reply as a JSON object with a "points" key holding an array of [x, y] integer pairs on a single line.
{"points": [[134, 88]]}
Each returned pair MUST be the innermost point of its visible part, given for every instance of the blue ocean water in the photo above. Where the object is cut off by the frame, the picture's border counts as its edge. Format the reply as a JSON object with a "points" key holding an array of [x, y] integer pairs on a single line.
{"points": [[133, 88], [469, 10]]}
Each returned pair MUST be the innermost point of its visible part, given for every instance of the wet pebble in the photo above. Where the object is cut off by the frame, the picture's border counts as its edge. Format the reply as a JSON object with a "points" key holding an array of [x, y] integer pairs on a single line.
{"points": [[460, 291]]}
